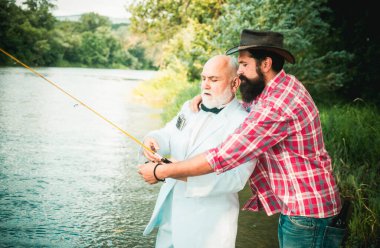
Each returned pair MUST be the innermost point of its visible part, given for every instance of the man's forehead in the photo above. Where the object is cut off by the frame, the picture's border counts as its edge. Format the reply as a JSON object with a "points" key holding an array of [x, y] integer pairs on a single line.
{"points": [[244, 55]]}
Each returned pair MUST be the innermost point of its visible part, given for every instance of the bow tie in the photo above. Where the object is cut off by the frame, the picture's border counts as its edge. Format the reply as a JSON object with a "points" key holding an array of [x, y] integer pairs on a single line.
{"points": [[212, 110]]}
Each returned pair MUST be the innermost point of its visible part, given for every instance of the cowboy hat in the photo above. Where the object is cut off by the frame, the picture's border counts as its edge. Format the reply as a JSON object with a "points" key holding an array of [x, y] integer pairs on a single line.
{"points": [[259, 40]]}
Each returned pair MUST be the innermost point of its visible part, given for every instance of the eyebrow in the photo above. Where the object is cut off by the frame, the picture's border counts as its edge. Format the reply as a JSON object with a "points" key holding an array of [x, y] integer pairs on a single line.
{"points": [[210, 77]]}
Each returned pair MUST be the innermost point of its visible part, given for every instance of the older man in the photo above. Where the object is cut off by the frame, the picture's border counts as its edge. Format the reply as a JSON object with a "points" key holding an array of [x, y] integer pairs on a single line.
{"points": [[201, 211]]}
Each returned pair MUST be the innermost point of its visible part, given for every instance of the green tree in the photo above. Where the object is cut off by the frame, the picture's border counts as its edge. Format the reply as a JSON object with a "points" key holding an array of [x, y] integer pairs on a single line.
{"points": [[69, 36], [32, 34], [93, 42], [163, 19], [356, 24], [27, 33], [319, 65], [91, 22], [178, 31], [196, 33], [136, 57]]}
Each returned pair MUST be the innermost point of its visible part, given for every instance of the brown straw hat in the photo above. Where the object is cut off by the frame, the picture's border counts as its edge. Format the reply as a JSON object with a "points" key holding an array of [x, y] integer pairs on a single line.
{"points": [[271, 41]]}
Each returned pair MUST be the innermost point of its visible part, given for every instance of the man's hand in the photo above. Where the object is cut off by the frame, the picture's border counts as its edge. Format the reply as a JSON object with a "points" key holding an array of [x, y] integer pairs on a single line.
{"points": [[194, 166], [153, 145], [194, 103], [146, 171]]}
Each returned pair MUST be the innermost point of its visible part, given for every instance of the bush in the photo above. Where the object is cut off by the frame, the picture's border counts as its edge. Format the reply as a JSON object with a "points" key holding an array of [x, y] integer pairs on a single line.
{"points": [[162, 91]]}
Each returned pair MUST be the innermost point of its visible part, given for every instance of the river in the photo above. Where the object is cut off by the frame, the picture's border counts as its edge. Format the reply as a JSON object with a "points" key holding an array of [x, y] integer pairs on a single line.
{"points": [[67, 177]]}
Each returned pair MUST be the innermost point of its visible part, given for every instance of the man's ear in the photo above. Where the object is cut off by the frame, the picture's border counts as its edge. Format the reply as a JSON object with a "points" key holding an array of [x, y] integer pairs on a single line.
{"points": [[235, 84], [266, 64]]}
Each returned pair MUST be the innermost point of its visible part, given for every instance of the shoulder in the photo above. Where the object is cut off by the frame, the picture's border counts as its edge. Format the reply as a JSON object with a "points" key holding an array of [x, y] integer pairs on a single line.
{"points": [[185, 112], [237, 106], [185, 109], [235, 111], [287, 97]]}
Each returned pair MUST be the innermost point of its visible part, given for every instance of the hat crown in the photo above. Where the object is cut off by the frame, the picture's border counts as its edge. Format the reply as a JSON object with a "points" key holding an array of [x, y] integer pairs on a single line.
{"points": [[257, 38], [262, 40]]}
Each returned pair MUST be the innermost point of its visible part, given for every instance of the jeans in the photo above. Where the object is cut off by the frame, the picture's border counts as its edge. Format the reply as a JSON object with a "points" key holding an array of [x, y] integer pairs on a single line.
{"points": [[304, 232]]}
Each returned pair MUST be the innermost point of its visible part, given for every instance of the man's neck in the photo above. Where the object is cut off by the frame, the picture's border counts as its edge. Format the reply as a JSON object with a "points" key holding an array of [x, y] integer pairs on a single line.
{"points": [[216, 109], [227, 103], [269, 76]]}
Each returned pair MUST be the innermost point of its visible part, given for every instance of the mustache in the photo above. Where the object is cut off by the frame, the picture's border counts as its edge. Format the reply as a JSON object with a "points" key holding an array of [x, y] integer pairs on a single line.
{"points": [[204, 92], [243, 78]]}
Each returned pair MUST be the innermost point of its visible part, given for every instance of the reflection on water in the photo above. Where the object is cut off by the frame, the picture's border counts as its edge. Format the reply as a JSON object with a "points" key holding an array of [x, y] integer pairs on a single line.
{"points": [[67, 178]]}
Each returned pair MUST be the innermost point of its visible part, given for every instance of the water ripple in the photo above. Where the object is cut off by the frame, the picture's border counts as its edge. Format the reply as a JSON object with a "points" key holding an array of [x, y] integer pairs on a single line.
{"points": [[63, 175]]}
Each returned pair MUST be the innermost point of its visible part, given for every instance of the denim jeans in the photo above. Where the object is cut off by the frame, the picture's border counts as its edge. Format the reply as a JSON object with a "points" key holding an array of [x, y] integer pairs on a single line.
{"points": [[305, 232]]}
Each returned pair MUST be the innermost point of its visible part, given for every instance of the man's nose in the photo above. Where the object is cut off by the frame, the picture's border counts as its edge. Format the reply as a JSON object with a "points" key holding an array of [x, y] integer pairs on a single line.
{"points": [[206, 84]]}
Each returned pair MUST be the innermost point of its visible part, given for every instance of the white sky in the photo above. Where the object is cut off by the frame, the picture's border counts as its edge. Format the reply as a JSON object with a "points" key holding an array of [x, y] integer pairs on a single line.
{"points": [[110, 8]]}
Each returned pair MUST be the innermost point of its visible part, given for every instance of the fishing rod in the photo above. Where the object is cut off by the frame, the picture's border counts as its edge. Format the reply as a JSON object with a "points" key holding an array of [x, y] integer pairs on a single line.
{"points": [[163, 159]]}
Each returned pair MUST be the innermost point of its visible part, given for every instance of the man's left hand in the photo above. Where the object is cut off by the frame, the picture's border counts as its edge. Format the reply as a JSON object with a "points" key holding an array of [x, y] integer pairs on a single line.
{"points": [[146, 171]]}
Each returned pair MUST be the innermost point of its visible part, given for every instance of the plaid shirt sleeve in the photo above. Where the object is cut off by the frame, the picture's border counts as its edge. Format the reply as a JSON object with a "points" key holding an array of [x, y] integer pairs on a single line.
{"points": [[264, 127]]}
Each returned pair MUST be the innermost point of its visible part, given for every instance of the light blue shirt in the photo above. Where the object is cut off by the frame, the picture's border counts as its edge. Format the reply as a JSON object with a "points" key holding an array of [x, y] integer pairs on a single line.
{"points": [[203, 211]]}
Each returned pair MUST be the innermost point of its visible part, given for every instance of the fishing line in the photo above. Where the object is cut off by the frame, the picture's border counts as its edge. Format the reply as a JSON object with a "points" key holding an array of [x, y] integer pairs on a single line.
{"points": [[163, 159]]}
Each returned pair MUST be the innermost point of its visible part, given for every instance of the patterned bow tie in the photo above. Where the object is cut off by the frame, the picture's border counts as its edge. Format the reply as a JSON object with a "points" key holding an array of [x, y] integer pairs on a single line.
{"points": [[212, 110]]}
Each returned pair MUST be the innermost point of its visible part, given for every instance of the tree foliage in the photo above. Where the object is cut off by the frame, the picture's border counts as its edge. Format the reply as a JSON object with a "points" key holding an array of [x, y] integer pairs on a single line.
{"points": [[177, 31], [318, 65], [356, 24], [190, 32], [27, 32], [35, 36], [163, 19]]}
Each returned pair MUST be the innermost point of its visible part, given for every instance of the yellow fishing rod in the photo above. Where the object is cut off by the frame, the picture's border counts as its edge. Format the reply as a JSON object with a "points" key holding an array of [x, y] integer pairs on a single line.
{"points": [[163, 159]]}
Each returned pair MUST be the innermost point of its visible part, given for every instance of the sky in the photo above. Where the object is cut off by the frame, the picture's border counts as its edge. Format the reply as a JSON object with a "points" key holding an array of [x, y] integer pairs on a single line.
{"points": [[110, 8]]}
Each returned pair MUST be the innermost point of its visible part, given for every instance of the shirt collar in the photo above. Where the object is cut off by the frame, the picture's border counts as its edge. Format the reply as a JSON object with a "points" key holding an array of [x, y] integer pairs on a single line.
{"points": [[212, 110], [227, 105], [272, 84]]}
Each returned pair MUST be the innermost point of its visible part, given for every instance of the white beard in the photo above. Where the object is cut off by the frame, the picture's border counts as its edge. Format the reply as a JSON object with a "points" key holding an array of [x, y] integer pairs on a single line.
{"points": [[217, 101]]}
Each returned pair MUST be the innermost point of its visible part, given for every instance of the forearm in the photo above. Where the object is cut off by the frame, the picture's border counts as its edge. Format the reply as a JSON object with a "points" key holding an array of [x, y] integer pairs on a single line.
{"points": [[212, 184], [194, 166]]}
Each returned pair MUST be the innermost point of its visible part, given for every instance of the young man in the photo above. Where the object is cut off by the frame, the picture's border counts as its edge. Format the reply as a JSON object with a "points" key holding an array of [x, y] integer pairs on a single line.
{"points": [[201, 211], [293, 175]]}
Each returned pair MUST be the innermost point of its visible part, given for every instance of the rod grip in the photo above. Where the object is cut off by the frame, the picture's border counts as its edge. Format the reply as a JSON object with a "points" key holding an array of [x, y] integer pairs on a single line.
{"points": [[165, 160]]}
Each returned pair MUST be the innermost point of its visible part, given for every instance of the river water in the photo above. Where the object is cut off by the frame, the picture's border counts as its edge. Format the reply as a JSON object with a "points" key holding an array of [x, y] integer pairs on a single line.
{"points": [[68, 178]]}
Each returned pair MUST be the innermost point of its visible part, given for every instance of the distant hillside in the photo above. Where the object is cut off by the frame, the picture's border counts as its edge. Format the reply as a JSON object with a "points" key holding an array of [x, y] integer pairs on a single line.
{"points": [[75, 18]]}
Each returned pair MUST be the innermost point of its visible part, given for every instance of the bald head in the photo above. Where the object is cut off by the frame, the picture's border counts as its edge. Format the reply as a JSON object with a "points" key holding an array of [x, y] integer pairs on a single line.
{"points": [[219, 81], [222, 63]]}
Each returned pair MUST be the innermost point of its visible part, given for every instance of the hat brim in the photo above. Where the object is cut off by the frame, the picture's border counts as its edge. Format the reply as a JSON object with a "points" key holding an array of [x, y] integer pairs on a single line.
{"points": [[282, 52]]}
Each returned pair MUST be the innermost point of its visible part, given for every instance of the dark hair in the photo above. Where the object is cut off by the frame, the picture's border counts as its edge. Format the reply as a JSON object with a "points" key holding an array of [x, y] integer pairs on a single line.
{"points": [[277, 60]]}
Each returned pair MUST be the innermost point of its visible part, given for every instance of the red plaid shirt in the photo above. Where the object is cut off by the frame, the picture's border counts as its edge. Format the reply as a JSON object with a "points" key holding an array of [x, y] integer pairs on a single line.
{"points": [[293, 174]]}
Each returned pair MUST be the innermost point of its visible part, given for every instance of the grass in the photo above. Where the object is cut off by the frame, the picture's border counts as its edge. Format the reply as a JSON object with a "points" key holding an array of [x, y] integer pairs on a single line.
{"points": [[352, 138]]}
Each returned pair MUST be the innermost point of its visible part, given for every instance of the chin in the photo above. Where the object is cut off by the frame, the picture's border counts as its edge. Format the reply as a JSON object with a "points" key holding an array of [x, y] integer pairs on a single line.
{"points": [[209, 104], [206, 99]]}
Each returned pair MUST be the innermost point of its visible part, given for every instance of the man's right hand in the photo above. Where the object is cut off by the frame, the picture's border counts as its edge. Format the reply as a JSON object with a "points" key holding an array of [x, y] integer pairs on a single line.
{"points": [[153, 145], [194, 103]]}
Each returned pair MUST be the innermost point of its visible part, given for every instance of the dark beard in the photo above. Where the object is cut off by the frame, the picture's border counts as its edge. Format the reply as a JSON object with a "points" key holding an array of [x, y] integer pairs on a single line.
{"points": [[251, 88]]}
